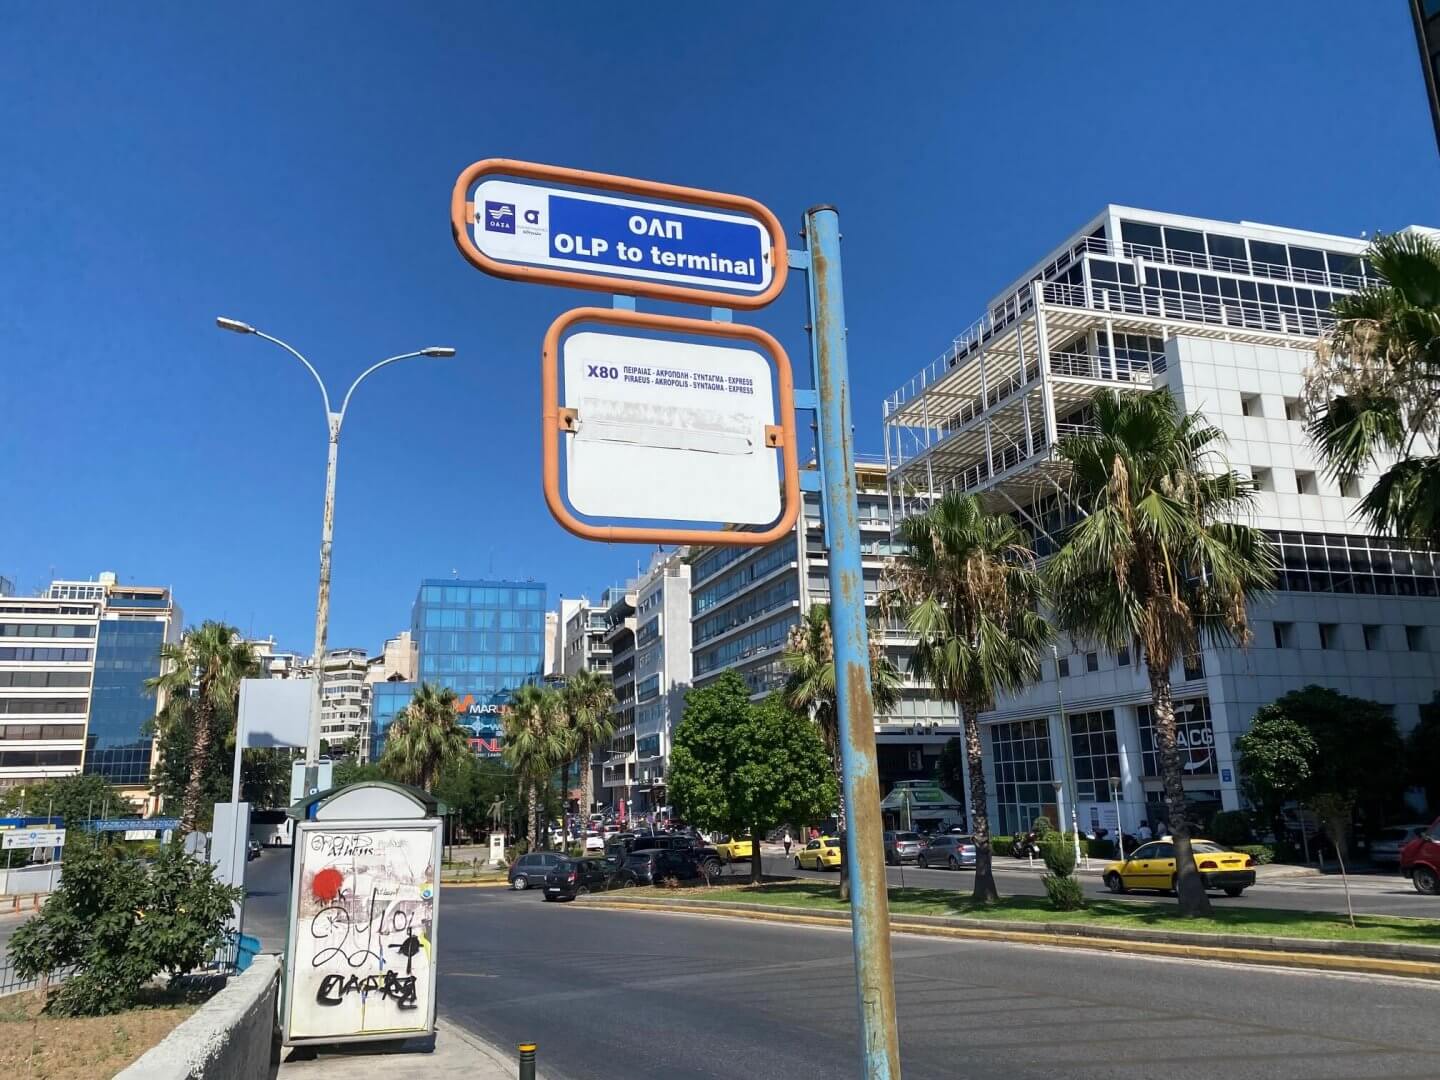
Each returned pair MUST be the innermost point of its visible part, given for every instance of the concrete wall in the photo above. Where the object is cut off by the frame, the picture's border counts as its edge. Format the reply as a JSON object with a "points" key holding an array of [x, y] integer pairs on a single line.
{"points": [[229, 1038]]}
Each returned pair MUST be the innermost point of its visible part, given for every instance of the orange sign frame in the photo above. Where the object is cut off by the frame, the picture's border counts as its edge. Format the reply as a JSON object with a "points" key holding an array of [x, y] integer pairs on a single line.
{"points": [[554, 420], [462, 215]]}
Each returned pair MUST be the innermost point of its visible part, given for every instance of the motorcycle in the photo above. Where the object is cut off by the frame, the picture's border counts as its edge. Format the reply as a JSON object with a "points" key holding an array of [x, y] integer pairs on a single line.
{"points": [[1025, 847]]}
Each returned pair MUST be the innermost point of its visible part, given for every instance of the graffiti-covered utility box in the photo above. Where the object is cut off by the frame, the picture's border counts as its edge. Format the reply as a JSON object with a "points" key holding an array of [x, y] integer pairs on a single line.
{"points": [[365, 880]]}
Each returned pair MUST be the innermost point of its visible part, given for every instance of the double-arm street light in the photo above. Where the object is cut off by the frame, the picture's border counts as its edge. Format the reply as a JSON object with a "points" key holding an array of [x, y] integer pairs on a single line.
{"points": [[333, 422]]}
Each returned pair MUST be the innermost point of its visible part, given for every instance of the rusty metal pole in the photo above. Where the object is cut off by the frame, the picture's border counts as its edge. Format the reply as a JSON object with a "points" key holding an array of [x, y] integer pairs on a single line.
{"points": [[864, 848]]}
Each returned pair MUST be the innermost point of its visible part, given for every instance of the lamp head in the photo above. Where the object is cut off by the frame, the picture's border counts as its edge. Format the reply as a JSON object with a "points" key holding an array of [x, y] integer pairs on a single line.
{"points": [[437, 350], [234, 325]]}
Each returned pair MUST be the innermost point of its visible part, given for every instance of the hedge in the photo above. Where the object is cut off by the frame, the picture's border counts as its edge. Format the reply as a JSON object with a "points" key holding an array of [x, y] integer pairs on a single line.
{"points": [[1259, 853]]}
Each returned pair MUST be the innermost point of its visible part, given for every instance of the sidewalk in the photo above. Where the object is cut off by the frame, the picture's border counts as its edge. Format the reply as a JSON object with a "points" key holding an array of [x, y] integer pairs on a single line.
{"points": [[457, 1055]]}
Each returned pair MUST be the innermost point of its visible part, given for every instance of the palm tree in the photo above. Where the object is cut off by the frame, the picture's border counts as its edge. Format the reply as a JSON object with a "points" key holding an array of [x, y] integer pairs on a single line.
{"points": [[424, 737], [810, 687], [201, 675], [1156, 557], [537, 741], [589, 698], [971, 592], [1374, 390]]}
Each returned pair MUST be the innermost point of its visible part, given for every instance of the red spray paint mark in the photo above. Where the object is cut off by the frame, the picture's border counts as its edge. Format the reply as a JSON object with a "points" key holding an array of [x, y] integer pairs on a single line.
{"points": [[327, 884]]}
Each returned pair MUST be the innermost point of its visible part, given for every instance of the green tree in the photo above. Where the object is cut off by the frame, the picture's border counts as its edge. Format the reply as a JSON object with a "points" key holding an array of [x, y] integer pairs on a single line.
{"points": [[1274, 758], [737, 766], [1422, 753], [1157, 556], [1374, 389], [123, 921], [810, 685], [200, 682], [178, 758], [589, 702], [73, 799], [537, 742], [353, 772], [469, 785], [971, 593], [423, 737], [264, 775]]}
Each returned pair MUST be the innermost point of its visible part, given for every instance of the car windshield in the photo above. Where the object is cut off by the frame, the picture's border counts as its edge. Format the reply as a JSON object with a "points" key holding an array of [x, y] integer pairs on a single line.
{"points": [[908, 837], [1207, 847], [1393, 835], [832, 843], [641, 859], [565, 866]]}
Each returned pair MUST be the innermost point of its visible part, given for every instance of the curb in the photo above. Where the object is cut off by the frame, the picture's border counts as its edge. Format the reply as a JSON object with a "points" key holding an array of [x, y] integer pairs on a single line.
{"points": [[1370, 958], [502, 884]]}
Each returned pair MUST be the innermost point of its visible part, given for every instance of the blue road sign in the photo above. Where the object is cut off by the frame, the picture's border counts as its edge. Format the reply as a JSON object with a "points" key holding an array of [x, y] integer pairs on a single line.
{"points": [[1225, 776], [570, 230], [128, 823]]}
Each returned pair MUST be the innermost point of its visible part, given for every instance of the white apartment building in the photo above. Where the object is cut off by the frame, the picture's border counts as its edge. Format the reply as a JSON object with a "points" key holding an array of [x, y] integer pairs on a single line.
{"points": [[617, 773], [662, 671], [1225, 315], [744, 602], [398, 661], [344, 698]]}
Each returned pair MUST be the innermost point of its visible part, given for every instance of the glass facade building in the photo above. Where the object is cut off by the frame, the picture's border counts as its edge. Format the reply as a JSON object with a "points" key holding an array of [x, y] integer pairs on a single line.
{"points": [[127, 652], [482, 639]]}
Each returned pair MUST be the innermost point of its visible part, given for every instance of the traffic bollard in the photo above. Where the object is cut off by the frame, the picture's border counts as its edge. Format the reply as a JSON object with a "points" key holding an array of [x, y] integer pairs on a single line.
{"points": [[527, 1061]]}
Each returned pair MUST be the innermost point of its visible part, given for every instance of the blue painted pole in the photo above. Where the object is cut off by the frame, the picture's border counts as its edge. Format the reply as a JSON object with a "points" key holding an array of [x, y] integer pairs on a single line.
{"points": [[864, 849]]}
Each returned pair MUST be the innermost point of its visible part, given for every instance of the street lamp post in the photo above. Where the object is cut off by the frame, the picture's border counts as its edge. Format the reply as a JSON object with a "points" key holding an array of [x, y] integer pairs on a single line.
{"points": [[333, 422]]}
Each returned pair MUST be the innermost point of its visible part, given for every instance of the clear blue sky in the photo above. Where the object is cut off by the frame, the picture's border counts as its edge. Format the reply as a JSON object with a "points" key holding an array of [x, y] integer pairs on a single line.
{"points": [[290, 165]]}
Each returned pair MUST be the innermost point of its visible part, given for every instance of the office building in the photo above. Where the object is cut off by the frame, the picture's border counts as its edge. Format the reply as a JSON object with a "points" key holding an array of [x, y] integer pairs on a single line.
{"points": [[662, 672], [482, 639], [745, 602], [73, 668], [617, 774], [1226, 316]]}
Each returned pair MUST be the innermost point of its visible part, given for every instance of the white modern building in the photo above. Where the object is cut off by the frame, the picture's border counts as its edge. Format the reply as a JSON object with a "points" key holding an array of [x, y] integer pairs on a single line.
{"points": [[662, 671], [73, 668], [1226, 316], [617, 774], [344, 699], [745, 601]]}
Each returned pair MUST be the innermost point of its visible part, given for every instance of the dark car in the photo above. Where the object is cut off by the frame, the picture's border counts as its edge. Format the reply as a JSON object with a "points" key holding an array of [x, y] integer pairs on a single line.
{"points": [[252, 850], [698, 849], [903, 847], [570, 878], [949, 851], [619, 844], [533, 869], [654, 865]]}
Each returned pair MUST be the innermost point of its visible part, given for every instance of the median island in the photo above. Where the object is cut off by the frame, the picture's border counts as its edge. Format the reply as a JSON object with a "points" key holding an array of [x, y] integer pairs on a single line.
{"points": [[1099, 914]]}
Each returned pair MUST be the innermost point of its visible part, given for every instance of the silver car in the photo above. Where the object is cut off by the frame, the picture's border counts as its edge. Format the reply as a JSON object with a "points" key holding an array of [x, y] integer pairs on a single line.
{"points": [[901, 847], [1385, 848], [951, 852]]}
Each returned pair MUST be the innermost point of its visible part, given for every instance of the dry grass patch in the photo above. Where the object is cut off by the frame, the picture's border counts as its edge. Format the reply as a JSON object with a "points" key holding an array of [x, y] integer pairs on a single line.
{"points": [[34, 1046]]}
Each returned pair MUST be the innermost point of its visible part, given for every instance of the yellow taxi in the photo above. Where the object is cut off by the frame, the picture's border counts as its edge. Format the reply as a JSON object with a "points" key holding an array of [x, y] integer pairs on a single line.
{"points": [[734, 848], [1152, 866], [821, 854]]}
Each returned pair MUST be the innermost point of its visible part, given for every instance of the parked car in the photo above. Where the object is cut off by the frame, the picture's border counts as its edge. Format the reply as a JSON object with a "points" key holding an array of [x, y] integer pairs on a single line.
{"points": [[702, 852], [822, 854], [1152, 866], [1387, 844], [950, 851], [594, 841], [252, 850], [570, 878], [734, 849], [654, 865], [903, 847], [532, 869], [1420, 861]]}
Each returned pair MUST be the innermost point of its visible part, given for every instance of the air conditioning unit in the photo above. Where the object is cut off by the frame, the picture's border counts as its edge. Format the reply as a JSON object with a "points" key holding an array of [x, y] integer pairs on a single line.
{"points": [[917, 760]]}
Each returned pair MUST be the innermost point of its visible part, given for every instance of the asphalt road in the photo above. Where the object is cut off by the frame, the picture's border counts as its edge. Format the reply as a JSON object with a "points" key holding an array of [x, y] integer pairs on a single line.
{"points": [[645, 996], [1373, 894]]}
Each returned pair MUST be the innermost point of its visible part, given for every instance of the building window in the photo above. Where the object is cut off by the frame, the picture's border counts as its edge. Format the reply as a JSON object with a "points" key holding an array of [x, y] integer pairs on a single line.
{"points": [[1305, 483], [1294, 410], [1329, 635], [1264, 479], [1250, 405], [1122, 658], [1024, 777], [1350, 487], [1373, 638], [1194, 667], [1062, 667], [1331, 563], [1092, 661], [1194, 738], [1415, 638], [1284, 634], [1095, 753]]}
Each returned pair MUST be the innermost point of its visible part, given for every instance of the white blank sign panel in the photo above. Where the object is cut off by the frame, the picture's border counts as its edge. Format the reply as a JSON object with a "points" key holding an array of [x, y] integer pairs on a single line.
{"points": [[670, 430]]}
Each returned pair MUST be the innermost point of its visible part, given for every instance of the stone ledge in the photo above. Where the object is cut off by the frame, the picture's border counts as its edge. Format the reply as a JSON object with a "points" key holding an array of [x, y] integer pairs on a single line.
{"points": [[228, 1038]]}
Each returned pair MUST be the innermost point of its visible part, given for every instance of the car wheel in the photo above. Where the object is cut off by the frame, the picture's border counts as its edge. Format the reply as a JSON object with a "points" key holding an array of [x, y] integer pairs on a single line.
{"points": [[582, 891], [1174, 889], [1234, 890], [921, 863], [519, 884], [713, 868], [1114, 882], [1426, 881], [953, 864], [797, 863], [547, 897]]}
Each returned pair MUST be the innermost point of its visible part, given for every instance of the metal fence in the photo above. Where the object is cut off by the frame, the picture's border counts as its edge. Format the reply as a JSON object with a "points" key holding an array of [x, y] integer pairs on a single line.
{"points": [[11, 983]]}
